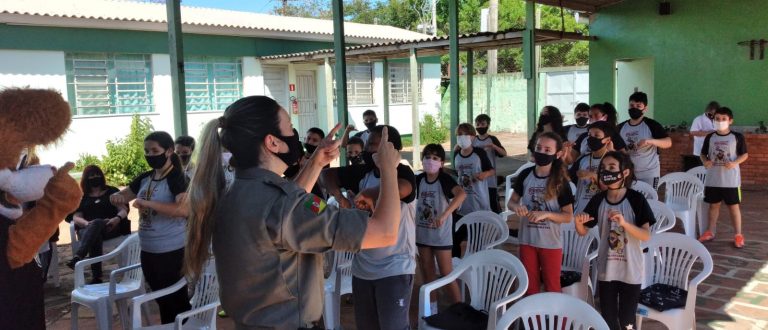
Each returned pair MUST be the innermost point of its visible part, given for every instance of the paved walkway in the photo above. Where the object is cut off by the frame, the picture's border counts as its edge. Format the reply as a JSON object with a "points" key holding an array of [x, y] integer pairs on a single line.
{"points": [[735, 296]]}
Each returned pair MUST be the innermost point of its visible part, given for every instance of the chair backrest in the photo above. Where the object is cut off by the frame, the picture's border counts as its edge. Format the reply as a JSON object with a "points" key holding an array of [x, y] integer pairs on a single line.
{"points": [[670, 258], [553, 311], [509, 178], [680, 188], [485, 230], [700, 172], [342, 258], [490, 276], [645, 189], [206, 291], [576, 247], [130, 254], [665, 217]]}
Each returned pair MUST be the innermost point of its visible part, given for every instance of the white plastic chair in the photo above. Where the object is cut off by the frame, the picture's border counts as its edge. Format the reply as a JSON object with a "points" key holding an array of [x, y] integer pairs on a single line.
{"points": [[576, 258], [700, 172], [337, 284], [490, 277], [665, 217], [485, 230], [551, 310], [668, 261], [108, 245], [645, 189], [508, 182], [702, 208], [574, 190], [680, 194], [124, 283], [504, 216], [204, 303]]}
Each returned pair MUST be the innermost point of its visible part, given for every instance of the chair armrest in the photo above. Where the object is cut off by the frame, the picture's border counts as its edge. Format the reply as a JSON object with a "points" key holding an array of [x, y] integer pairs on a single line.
{"points": [[113, 276], [136, 302], [192, 312], [80, 266], [426, 289], [493, 312]]}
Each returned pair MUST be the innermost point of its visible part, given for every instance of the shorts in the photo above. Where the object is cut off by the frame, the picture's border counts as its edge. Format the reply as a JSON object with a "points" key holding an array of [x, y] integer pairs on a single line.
{"points": [[714, 195], [433, 247]]}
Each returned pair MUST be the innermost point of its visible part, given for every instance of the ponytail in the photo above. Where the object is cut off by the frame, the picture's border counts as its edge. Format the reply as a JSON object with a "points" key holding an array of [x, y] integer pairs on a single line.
{"points": [[204, 193]]}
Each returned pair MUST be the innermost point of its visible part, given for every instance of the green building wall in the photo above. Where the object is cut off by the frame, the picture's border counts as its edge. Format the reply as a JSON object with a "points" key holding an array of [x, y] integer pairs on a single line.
{"points": [[695, 53]]}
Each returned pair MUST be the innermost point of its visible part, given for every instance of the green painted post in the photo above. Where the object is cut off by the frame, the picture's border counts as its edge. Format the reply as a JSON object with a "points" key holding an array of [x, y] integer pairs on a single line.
{"points": [[415, 110], [341, 67], [470, 85], [176, 51], [529, 63], [453, 33], [385, 82]]}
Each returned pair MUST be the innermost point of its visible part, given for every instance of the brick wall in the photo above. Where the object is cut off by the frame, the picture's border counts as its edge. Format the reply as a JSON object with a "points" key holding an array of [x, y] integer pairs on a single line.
{"points": [[753, 172]]}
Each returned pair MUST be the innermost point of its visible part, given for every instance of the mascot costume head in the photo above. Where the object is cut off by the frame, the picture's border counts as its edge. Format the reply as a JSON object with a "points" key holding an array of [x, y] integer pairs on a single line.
{"points": [[29, 118]]}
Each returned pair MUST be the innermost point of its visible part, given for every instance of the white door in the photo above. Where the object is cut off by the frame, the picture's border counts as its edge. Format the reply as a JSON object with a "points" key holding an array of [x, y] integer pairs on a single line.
{"points": [[306, 93], [633, 75], [276, 84], [566, 89]]}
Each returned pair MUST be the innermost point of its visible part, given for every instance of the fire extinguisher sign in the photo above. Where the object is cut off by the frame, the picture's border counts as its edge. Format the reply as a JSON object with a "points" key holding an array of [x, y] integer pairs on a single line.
{"points": [[292, 87]]}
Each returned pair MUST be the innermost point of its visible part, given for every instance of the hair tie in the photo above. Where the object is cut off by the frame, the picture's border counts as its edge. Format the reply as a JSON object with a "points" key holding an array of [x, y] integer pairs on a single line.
{"points": [[222, 122]]}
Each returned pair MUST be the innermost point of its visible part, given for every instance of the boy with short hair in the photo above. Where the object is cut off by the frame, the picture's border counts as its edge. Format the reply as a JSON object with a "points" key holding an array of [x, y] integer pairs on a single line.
{"points": [[184, 147], [722, 152], [493, 148], [581, 116], [644, 137], [355, 148], [370, 120]]}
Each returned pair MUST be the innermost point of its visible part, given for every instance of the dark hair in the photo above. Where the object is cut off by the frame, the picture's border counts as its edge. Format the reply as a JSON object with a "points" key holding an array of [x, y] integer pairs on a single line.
{"points": [[369, 112], [712, 105], [625, 163], [166, 142], [434, 149], [724, 111], [356, 140], [483, 118], [604, 126], [558, 176], [581, 107], [317, 131], [556, 119], [608, 110], [89, 171], [639, 97], [187, 141], [244, 125], [394, 135], [466, 128]]}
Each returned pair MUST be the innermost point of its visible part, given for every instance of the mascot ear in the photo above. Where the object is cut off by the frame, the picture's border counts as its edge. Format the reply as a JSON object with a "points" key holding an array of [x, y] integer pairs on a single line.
{"points": [[31, 117]]}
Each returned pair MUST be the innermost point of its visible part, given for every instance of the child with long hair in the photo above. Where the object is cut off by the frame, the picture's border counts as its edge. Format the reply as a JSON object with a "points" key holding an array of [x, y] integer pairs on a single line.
{"points": [[623, 218], [543, 199]]}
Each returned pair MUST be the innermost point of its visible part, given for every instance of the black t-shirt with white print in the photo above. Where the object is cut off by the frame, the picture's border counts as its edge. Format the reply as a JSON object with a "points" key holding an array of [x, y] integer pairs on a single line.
{"points": [[620, 257]]}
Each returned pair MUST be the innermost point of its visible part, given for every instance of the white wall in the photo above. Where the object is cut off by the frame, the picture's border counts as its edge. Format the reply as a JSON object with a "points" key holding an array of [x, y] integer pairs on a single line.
{"points": [[36, 69]]}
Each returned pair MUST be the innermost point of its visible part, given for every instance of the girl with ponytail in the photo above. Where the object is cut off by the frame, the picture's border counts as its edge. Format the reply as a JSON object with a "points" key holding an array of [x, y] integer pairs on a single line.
{"points": [[542, 198], [160, 196]]}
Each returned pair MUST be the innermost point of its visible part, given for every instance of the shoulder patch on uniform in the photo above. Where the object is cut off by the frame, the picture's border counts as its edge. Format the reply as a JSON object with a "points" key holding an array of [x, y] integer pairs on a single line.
{"points": [[315, 204]]}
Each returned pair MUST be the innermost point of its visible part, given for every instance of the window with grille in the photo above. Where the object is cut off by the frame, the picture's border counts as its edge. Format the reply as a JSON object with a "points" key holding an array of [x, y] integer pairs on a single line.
{"points": [[400, 83], [107, 84], [359, 84], [212, 83]]}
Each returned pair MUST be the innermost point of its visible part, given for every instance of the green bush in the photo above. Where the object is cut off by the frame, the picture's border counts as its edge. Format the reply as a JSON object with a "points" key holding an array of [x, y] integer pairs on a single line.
{"points": [[85, 160], [125, 157], [432, 131]]}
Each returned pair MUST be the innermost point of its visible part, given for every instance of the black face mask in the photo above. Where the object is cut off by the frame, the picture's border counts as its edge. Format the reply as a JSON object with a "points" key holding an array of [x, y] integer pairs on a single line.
{"points": [[310, 148], [367, 158], [482, 130], [95, 182], [185, 158], [594, 143], [544, 119], [635, 113], [357, 160], [608, 178], [156, 162], [294, 149], [543, 159], [370, 125], [582, 121]]}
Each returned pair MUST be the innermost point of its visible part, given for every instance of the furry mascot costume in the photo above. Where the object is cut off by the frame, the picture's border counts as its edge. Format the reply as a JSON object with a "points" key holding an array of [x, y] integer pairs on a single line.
{"points": [[29, 117]]}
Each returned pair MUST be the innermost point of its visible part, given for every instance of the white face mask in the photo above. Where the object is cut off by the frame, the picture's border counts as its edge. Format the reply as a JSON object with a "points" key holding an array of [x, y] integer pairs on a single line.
{"points": [[464, 141], [431, 166], [24, 185], [721, 125]]}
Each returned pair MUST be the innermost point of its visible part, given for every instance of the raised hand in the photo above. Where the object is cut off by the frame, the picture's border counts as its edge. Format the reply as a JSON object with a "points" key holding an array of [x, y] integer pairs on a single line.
{"points": [[328, 149], [386, 156]]}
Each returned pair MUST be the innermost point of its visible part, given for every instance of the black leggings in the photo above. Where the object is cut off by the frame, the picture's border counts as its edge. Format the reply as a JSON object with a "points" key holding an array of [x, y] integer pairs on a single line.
{"points": [[618, 303], [162, 270], [91, 242]]}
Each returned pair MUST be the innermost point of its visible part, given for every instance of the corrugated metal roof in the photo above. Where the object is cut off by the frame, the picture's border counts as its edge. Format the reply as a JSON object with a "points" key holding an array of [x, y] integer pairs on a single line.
{"points": [[130, 11]]}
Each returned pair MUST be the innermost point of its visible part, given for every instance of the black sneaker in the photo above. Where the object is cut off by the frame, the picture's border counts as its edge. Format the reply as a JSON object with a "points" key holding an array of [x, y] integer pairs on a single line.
{"points": [[71, 263]]}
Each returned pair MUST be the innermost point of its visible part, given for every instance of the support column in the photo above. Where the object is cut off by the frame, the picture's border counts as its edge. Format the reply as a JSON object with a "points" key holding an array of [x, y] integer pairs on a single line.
{"points": [[176, 51], [415, 118], [341, 67], [329, 111], [470, 85], [453, 34], [385, 83], [530, 71]]}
